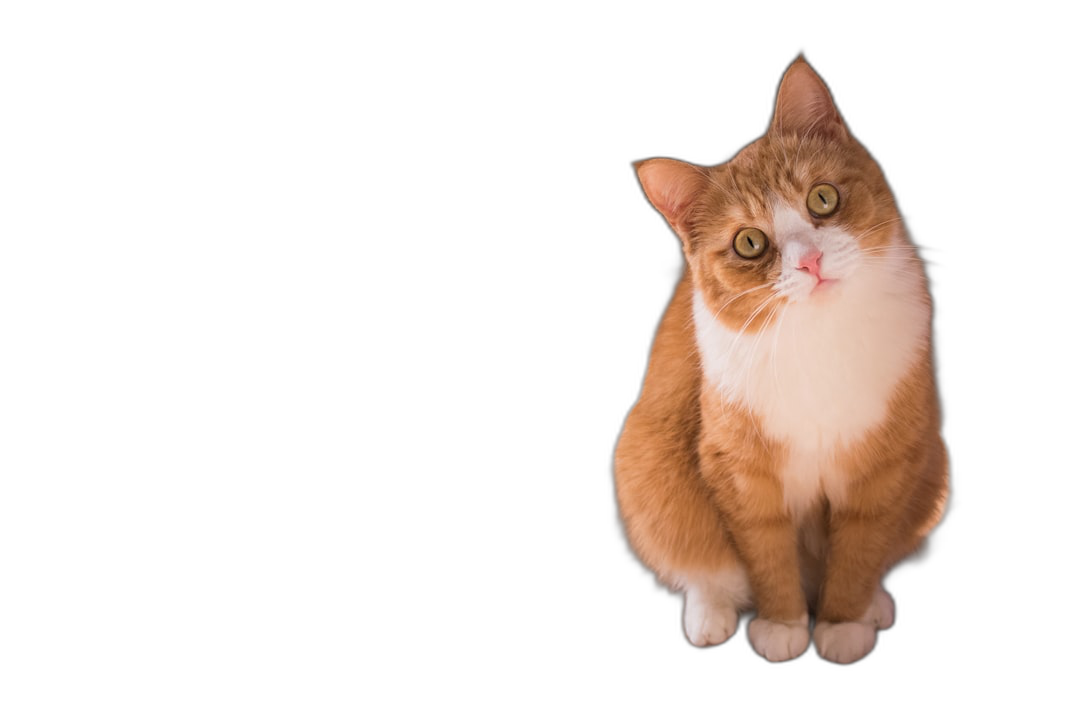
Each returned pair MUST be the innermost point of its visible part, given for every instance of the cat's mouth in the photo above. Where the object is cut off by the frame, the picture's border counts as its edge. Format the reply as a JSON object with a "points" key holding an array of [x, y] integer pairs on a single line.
{"points": [[823, 286]]}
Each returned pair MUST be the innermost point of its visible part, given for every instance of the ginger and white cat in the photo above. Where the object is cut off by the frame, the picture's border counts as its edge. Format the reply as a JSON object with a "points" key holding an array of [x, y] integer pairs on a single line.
{"points": [[785, 451]]}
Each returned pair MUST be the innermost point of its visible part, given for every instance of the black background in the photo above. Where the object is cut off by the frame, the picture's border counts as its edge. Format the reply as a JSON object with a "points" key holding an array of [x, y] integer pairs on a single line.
{"points": [[576, 267]]}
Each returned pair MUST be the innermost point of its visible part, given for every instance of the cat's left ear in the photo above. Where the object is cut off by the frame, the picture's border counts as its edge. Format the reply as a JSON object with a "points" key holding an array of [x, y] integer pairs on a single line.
{"points": [[804, 105], [671, 186]]}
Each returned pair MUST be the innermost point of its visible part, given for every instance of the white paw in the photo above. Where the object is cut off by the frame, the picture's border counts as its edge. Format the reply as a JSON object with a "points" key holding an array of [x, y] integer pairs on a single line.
{"points": [[844, 642], [882, 610], [708, 623], [778, 641]]}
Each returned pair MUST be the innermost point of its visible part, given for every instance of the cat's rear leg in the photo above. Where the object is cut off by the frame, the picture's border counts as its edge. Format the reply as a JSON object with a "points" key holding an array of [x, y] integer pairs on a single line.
{"points": [[882, 611], [670, 515], [712, 605]]}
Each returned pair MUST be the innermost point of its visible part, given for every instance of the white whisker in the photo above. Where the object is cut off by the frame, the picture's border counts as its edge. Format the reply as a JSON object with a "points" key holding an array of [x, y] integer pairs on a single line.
{"points": [[739, 295], [776, 343], [745, 381], [872, 228]]}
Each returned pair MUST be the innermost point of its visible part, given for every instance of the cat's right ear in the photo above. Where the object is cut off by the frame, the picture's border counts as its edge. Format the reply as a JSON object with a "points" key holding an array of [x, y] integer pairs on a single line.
{"points": [[671, 186]]}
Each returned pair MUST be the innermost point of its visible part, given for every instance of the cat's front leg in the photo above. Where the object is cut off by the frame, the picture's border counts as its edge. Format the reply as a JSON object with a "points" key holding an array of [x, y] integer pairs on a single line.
{"points": [[845, 641], [864, 530], [766, 540], [768, 546]]}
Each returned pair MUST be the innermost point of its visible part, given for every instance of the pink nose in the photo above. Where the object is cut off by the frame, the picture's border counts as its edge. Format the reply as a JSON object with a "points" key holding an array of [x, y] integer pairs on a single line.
{"points": [[809, 263]]}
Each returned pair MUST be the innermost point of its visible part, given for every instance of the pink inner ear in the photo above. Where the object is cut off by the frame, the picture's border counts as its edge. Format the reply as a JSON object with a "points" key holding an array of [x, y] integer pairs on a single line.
{"points": [[804, 105], [671, 186]]}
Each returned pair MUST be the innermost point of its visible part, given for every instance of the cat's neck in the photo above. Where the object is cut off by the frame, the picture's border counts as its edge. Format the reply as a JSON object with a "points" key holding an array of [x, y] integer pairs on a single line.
{"points": [[821, 374]]}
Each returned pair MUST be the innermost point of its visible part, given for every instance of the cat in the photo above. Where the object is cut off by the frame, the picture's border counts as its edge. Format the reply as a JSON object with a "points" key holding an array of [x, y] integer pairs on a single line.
{"points": [[785, 450]]}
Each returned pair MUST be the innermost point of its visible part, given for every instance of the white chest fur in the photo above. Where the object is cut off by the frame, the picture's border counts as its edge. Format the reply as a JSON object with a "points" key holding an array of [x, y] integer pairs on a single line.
{"points": [[822, 374]]}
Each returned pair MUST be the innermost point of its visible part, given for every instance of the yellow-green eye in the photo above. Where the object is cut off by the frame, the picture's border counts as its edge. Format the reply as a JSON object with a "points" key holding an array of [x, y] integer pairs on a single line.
{"points": [[823, 200], [750, 243]]}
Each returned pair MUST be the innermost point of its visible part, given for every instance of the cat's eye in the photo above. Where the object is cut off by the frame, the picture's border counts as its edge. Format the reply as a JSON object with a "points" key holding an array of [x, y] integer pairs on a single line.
{"points": [[750, 243], [823, 200]]}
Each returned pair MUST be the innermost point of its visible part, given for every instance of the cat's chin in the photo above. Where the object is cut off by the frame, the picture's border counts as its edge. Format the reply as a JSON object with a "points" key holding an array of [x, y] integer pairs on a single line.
{"points": [[825, 290]]}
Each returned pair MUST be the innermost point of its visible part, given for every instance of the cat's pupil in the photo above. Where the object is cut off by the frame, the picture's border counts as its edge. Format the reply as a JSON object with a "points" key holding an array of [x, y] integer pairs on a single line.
{"points": [[824, 200]]}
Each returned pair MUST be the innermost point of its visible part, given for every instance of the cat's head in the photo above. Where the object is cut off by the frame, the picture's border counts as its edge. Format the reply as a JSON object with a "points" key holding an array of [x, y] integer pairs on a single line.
{"points": [[798, 216]]}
